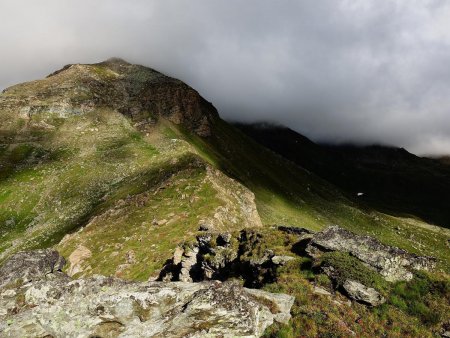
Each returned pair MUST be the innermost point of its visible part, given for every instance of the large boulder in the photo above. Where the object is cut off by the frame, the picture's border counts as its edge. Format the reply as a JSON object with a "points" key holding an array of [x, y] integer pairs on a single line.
{"points": [[362, 293], [392, 263], [107, 307], [32, 265], [110, 307]]}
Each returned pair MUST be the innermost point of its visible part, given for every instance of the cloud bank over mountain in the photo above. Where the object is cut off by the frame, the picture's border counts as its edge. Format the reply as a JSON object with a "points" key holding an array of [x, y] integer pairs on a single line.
{"points": [[337, 71]]}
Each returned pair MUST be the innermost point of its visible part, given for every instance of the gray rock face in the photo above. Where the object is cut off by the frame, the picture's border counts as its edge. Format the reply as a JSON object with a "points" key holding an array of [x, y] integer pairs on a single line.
{"points": [[126, 88], [109, 307], [188, 263], [321, 291], [392, 263], [29, 266], [362, 293]]}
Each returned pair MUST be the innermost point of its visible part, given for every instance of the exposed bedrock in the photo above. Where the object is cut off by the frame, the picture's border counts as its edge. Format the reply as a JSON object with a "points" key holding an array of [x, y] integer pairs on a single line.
{"points": [[50, 304]]}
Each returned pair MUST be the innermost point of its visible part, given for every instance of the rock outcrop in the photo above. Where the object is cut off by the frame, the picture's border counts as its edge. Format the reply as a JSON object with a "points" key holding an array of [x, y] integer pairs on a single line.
{"points": [[362, 293], [222, 256], [392, 263], [109, 307], [30, 266], [133, 90]]}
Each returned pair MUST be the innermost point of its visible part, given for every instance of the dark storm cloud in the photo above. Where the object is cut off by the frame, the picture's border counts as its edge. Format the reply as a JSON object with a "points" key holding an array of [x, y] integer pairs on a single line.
{"points": [[339, 71]]}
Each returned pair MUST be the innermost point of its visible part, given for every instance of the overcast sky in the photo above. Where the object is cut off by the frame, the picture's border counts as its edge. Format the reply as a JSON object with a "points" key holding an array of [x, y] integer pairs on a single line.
{"points": [[337, 71]]}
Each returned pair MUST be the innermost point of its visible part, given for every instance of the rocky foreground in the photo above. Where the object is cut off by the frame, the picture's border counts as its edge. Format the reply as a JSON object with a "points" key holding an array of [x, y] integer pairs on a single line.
{"points": [[38, 300], [198, 293]]}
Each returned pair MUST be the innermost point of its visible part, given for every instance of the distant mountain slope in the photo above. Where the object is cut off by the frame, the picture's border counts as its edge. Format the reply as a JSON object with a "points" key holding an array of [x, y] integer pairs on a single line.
{"points": [[390, 179]]}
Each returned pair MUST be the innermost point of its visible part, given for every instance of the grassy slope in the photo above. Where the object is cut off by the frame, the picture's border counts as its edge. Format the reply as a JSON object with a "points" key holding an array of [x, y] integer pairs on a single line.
{"points": [[287, 194], [98, 172], [98, 153], [64, 168]]}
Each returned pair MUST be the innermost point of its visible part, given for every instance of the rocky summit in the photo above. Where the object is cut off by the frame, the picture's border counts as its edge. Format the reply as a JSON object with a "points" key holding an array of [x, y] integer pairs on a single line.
{"points": [[136, 91], [129, 208]]}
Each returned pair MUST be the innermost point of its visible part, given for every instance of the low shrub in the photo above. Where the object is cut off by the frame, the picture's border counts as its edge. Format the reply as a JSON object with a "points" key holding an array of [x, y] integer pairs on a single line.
{"points": [[422, 297]]}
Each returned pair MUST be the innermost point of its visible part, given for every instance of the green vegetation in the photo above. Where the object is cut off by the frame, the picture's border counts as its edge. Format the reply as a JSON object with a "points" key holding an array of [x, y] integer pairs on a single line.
{"points": [[426, 297], [134, 242], [352, 268]]}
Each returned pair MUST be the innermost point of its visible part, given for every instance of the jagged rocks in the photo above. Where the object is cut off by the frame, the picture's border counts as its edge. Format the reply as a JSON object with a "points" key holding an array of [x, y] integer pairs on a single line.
{"points": [[222, 256], [362, 293], [205, 227], [223, 239], [109, 307], [30, 266], [392, 263], [188, 264]]}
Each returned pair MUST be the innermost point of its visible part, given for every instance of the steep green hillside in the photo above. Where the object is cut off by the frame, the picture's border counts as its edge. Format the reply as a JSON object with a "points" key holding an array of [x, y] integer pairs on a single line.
{"points": [[71, 163]]}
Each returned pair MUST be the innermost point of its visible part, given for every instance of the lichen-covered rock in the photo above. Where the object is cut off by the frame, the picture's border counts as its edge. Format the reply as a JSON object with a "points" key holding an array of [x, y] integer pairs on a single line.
{"points": [[111, 307], [362, 293], [392, 263], [107, 307], [188, 264], [29, 266]]}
